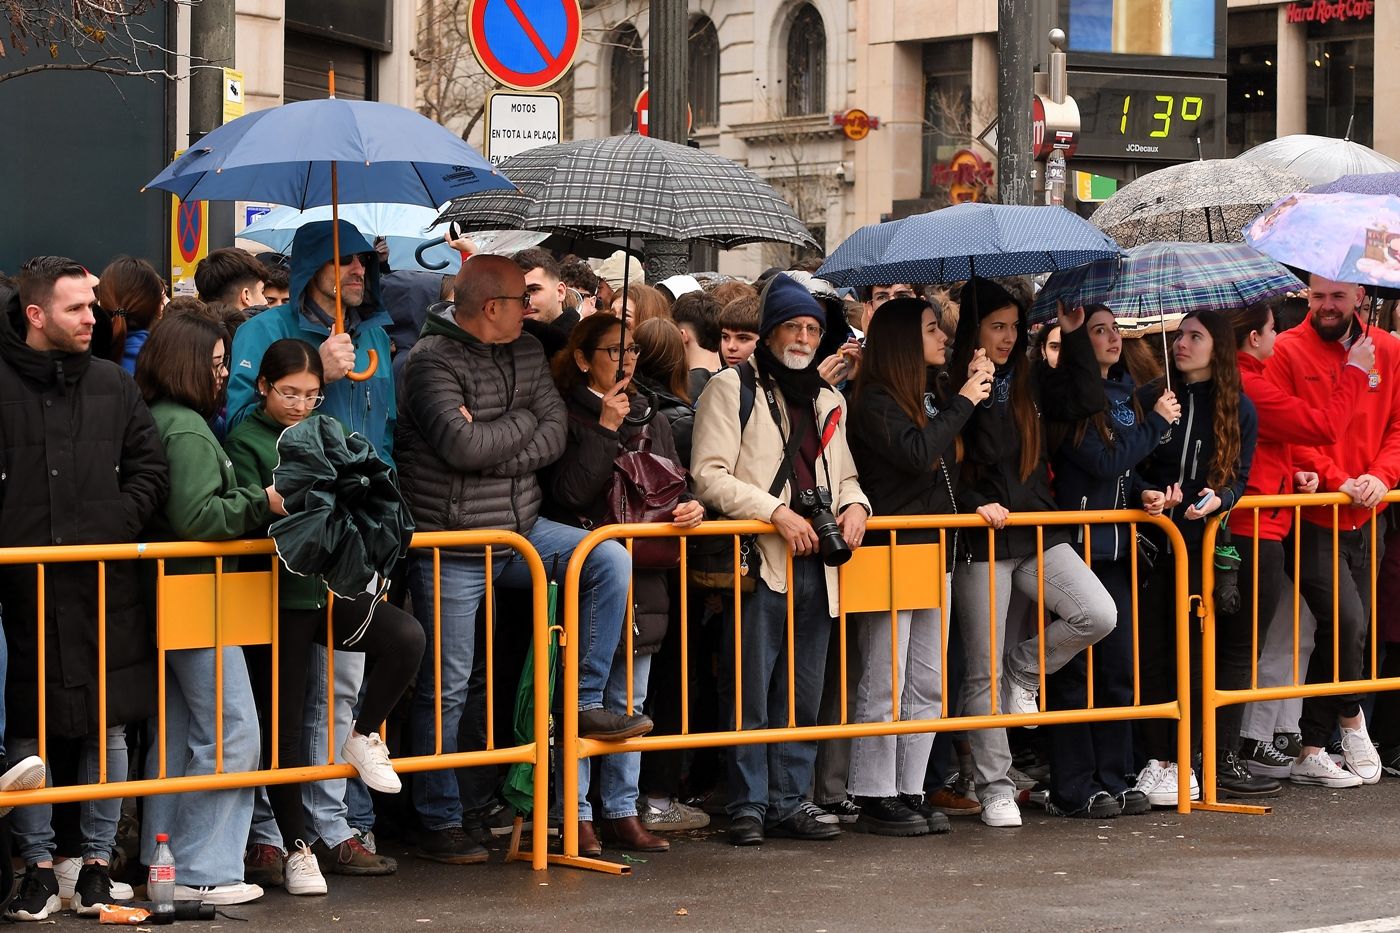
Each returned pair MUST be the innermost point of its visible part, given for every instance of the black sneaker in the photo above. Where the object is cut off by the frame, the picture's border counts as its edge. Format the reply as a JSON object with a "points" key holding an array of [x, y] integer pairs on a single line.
{"points": [[1233, 779], [37, 896], [845, 811], [611, 727], [451, 846], [1390, 760], [804, 824], [1133, 802], [888, 816], [1266, 758], [92, 890], [485, 823], [937, 820], [1100, 806], [1290, 743]]}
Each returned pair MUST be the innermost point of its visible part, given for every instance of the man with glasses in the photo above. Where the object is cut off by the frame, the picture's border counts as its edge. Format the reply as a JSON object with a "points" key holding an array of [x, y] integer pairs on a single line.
{"points": [[366, 408], [481, 417], [876, 295], [789, 453]]}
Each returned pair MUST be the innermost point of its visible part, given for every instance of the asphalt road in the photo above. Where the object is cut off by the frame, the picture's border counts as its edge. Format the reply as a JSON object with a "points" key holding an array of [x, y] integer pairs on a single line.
{"points": [[1323, 857]]}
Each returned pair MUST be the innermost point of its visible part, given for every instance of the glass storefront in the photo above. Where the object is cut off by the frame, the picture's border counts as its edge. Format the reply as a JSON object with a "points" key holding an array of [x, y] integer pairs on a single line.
{"points": [[1253, 80], [947, 106], [1341, 80]]}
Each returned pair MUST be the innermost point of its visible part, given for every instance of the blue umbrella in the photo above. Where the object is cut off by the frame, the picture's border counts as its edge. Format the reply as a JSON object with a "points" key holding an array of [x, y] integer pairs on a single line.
{"points": [[315, 152], [1342, 237], [966, 240], [380, 152], [1380, 183], [1158, 279]]}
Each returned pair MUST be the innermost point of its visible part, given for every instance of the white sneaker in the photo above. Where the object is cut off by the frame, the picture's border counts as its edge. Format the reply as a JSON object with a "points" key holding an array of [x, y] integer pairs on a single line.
{"points": [[300, 872], [1150, 776], [1319, 768], [1020, 700], [239, 892], [371, 758], [66, 871], [27, 774], [1163, 793], [1001, 810], [1360, 755]]}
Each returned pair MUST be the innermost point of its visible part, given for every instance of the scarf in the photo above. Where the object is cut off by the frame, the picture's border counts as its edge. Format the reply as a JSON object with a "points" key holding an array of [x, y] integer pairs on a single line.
{"points": [[797, 385]]}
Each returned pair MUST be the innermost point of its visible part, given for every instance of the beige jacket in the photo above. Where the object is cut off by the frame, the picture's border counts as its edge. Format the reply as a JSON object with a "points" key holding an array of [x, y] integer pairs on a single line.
{"points": [[732, 474]]}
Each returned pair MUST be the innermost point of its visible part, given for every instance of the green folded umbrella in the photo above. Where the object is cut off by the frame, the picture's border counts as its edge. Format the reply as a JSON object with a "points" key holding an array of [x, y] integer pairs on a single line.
{"points": [[519, 788]]}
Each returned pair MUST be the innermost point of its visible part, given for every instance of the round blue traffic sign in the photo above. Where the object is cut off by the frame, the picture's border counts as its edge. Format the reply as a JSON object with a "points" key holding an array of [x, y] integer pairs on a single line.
{"points": [[525, 44]]}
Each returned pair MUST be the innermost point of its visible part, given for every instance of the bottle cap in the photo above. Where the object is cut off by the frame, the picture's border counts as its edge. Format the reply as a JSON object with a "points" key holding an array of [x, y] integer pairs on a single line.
{"points": [[162, 837]]}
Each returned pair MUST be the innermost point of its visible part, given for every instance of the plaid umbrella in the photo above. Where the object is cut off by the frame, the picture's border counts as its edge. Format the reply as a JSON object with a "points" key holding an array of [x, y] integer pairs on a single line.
{"points": [[1320, 159], [1195, 202], [1158, 279], [628, 185], [966, 240]]}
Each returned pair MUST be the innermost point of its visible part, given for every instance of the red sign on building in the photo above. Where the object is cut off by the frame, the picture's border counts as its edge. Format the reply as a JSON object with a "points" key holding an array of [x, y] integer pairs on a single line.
{"points": [[1330, 11]]}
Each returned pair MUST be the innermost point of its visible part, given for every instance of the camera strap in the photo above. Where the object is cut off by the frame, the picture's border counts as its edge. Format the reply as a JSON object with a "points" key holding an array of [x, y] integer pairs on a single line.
{"points": [[790, 444]]}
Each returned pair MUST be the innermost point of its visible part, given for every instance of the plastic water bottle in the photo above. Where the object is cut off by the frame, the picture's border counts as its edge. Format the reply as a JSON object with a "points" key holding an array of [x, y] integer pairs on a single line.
{"points": [[160, 883]]}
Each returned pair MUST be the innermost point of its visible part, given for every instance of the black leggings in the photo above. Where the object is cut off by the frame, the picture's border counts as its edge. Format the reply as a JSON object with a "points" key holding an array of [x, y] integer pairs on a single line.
{"points": [[393, 645], [1234, 632]]}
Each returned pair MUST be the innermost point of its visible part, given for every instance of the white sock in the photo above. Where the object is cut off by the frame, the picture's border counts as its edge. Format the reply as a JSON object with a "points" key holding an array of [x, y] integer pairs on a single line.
{"points": [[659, 803]]}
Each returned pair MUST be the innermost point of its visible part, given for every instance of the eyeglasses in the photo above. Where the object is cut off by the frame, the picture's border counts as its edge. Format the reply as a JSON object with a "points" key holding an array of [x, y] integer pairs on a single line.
{"points": [[793, 329], [523, 299], [615, 352], [295, 400], [220, 365]]}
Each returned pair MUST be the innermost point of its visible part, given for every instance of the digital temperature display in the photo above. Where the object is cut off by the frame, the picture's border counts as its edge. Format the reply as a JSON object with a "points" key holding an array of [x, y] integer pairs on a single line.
{"points": [[1149, 117]]}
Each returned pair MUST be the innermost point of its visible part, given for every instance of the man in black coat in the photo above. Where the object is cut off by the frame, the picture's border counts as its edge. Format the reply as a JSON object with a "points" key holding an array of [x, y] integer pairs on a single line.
{"points": [[80, 463]]}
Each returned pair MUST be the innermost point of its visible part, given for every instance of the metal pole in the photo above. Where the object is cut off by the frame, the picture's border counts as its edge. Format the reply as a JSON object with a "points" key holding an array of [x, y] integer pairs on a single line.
{"points": [[669, 68], [1015, 61], [212, 44]]}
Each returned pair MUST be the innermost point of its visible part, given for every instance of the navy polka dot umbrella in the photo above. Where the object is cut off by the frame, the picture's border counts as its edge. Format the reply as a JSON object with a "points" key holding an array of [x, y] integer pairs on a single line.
{"points": [[966, 240]]}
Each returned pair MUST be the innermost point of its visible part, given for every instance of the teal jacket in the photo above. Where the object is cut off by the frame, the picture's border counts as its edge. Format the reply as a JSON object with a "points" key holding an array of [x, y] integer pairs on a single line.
{"points": [[206, 503], [252, 446], [366, 408]]}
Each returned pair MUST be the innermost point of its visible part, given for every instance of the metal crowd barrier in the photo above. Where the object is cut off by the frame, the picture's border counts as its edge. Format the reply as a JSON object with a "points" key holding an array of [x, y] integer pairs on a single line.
{"points": [[864, 576], [1211, 697], [227, 608]]}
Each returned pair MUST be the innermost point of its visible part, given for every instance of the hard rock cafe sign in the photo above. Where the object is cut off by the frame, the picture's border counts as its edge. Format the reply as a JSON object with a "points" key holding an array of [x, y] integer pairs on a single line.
{"points": [[967, 176], [1330, 11]]}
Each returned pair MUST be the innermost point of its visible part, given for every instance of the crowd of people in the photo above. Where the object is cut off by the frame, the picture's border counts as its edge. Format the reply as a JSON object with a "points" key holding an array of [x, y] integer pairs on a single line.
{"points": [[550, 398]]}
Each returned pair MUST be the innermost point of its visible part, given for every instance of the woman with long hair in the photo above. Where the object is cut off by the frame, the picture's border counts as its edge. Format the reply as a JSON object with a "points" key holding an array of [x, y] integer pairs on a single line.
{"points": [[1090, 763], [1005, 471], [644, 303], [662, 372], [1199, 468], [607, 420], [290, 387], [1284, 421], [181, 374], [904, 430], [131, 291]]}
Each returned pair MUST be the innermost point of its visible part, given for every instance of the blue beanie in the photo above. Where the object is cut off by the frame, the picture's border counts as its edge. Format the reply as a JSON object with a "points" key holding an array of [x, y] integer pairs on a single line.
{"points": [[783, 299]]}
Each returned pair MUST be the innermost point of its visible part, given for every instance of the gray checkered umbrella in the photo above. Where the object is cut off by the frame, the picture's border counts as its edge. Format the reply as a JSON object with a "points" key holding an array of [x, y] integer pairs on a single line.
{"points": [[1196, 202], [634, 185]]}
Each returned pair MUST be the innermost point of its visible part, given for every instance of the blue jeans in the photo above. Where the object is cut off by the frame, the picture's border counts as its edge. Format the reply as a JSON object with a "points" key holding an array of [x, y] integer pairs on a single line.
{"points": [[602, 606], [97, 819], [620, 773], [768, 781], [208, 829]]}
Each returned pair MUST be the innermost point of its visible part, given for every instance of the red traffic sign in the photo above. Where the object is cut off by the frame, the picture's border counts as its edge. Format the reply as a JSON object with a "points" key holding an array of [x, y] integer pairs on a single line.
{"points": [[525, 44], [189, 221], [642, 108]]}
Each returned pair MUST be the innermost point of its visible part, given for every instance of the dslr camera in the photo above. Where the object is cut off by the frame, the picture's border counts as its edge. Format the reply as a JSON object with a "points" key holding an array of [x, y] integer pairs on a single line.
{"points": [[816, 504]]}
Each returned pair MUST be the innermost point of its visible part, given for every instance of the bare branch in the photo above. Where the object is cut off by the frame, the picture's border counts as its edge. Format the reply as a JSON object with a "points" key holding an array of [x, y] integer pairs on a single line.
{"points": [[106, 36]]}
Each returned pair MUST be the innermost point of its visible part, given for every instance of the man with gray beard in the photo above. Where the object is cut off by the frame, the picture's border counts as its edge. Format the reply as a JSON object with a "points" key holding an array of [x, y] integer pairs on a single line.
{"points": [[769, 436]]}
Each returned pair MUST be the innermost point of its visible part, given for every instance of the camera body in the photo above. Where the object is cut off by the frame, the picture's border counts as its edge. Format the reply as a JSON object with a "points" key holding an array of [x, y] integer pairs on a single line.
{"points": [[816, 504]]}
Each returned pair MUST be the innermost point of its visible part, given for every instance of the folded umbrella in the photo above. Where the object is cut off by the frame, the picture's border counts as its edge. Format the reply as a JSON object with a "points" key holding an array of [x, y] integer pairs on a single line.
{"points": [[519, 786], [347, 520]]}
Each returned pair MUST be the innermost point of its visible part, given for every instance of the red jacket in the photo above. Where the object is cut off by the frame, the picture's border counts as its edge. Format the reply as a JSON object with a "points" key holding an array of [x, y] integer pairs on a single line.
{"points": [[1311, 369], [1285, 421]]}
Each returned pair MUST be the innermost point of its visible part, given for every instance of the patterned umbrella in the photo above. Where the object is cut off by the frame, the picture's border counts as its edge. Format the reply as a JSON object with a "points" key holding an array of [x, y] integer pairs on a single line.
{"points": [[966, 240], [1195, 202], [1342, 237], [1320, 159], [626, 185], [1159, 279], [1381, 183]]}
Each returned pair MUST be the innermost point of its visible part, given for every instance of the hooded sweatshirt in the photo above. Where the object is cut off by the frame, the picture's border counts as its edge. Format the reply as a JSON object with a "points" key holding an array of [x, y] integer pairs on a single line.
{"points": [[367, 408]]}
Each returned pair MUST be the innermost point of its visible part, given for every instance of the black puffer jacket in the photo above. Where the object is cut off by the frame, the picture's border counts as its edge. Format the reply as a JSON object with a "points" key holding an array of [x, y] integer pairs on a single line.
{"points": [[679, 414], [457, 473], [578, 489], [80, 463]]}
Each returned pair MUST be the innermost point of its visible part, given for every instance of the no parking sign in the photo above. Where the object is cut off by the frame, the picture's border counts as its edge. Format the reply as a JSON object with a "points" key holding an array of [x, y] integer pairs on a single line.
{"points": [[525, 44]]}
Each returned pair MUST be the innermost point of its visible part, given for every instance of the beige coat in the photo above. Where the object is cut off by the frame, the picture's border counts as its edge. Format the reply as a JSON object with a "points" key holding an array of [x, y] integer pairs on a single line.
{"points": [[732, 474]]}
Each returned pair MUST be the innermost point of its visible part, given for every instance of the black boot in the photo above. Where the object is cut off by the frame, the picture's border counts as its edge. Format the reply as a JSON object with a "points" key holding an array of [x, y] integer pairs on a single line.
{"points": [[1233, 778]]}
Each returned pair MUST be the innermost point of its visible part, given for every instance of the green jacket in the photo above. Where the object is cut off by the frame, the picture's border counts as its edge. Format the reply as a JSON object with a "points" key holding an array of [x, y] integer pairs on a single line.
{"points": [[252, 446], [205, 503]]}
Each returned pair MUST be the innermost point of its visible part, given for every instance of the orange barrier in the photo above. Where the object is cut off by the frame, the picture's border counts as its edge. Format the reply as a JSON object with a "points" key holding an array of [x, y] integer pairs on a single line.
{"points": [[876, 579], [227, 608], [1212, 698]]}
